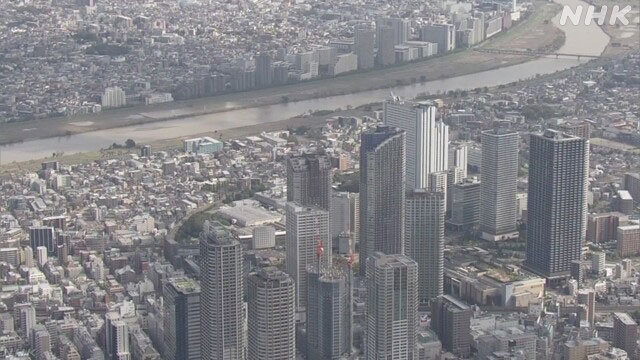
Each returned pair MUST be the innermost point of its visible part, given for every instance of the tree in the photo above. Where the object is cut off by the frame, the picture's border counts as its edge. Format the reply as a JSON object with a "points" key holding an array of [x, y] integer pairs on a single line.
{"points": [[130, 143]]}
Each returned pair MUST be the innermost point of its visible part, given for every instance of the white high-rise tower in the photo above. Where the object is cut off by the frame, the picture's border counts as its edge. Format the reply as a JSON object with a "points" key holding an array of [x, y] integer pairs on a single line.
{"points": [[427, 140]]}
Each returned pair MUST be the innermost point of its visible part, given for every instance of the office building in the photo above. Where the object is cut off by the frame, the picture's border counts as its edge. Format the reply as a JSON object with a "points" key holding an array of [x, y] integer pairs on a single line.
{"points": [[117, 337], [458, 158], [264, 237], [392, 307], [382, 192], [556, 217], [628, 240], [264, 70], [624, 202], [442, 34], [451, 321], [577, 272], [427, 140], [328, 314], [182, 337], [44, 236], [587, 297], [344, 219], [113, 97], [271, 315], [401, 28], [580, 129], [499, 184], [145, 151], [364, 42], [307, 228], [221, 297], [598, 261], [27, 319], [465, 204], [602, 228], [632, 185], [625, 333], [40, 341], [424, 241], [10, 256], [41, 252], [28, 257], [309, 178], [385, 38]]}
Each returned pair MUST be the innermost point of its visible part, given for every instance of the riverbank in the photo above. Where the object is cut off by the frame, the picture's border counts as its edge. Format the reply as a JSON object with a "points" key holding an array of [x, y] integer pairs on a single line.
{"points": [[536, 32], [312, 121]]}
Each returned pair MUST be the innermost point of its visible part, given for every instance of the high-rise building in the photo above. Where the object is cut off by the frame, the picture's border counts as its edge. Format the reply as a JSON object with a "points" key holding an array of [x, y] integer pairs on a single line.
{"points": [[145, 151], [556, 218], [182, 337], [465, 204], [11, 256], [221, 301], [27, 319], [382, 192], [117, 337], [451, 320], [458, 158], [43, 236], [264, 70], [309, 178], [625, 333], [427, 140], [587, 297], [602, 228], [364, 42], [424, 241], [40, 341], [401, 28], [344, 217], [271, 315], [385, 38], [580, 129], [328, 314], [392, 307], [632, 185], [628, 240], [442, 34], [306, 228], [499, 184], [598, 261], [41, 252], [28, 256], [113, 97]]}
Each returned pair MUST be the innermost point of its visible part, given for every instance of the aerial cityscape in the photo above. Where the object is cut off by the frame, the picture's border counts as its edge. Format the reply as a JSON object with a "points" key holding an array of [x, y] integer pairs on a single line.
{"points": [[321, 180]]}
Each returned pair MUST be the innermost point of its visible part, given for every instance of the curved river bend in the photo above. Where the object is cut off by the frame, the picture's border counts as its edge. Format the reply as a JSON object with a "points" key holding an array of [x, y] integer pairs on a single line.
{"points": [[581, 39]]}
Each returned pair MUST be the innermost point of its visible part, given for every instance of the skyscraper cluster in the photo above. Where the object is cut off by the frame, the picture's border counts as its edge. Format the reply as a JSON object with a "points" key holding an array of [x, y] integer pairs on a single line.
{"points": [[398, 219]]}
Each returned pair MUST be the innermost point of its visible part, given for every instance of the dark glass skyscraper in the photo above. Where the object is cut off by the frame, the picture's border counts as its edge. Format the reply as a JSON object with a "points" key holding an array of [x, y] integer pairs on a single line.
{"points": [[182, 319], [558, 168], [382, 187], [309, 178], [328, 314], [222, 313]]}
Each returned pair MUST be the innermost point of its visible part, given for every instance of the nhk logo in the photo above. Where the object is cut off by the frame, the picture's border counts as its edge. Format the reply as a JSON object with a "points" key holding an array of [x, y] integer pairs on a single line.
{"points": [[618, 15]]}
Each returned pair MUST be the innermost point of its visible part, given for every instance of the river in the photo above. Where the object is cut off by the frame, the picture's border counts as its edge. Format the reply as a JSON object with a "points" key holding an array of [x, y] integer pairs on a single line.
{"points": [[581, 39]]}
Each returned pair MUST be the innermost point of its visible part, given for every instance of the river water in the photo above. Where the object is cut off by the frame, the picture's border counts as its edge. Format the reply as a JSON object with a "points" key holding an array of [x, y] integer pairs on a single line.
{"points": [[581, 39]]}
